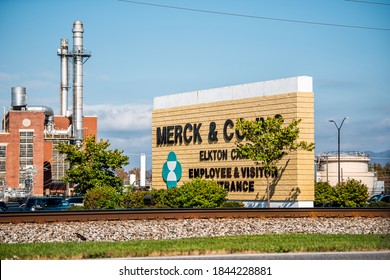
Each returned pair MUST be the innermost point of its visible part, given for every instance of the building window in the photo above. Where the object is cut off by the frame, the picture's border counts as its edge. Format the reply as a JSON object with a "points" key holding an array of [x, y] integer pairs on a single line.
{"points": [[3, 154], [59, 165], [26, 158]]}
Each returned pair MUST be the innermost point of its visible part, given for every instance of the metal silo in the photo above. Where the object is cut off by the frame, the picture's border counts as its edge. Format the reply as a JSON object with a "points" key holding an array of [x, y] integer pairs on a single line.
{"points": [[18, 98]]}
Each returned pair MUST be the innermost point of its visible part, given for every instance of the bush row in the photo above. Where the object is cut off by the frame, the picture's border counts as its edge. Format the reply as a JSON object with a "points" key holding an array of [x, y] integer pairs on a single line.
{"points": [[194, 194], [200, 193], [351, 193]]}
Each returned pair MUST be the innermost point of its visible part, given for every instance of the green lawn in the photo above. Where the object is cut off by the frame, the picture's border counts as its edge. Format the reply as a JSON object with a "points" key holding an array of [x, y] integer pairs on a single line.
{"points": [[275, 243]]}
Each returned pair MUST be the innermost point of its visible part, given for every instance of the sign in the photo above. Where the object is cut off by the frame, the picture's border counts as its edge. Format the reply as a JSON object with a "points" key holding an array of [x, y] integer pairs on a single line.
{"points": [[171, 171], [198, 128]]}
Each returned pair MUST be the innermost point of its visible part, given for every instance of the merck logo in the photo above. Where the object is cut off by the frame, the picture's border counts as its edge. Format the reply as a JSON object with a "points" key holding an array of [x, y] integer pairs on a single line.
{"points": [[172, 170]]}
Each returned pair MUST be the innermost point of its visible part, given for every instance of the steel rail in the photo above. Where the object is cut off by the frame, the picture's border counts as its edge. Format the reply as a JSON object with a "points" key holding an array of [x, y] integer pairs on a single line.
{"points": [[216, 213]]}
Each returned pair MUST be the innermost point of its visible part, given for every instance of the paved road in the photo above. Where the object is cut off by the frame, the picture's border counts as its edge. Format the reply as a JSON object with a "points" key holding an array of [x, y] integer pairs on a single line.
{"points": [[376, 255]]}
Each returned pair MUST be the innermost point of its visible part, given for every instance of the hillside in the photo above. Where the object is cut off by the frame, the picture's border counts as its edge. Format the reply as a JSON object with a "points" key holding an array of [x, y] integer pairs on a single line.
{"points": [[382, 157]]}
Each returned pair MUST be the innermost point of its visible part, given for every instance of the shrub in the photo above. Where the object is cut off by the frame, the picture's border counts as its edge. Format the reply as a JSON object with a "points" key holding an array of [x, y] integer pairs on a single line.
{"points": [[145, 199], [165, 198], [134, 199], [324, 194], [232, 204], [194, 194], [378, 204], [102, 197], [352, 193], [197, 193], [200, 193], [75, 207]]}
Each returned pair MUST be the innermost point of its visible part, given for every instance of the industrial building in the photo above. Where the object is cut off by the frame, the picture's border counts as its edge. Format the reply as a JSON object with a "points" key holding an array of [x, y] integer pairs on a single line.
{"points": [[353, 165], [29, 161]]}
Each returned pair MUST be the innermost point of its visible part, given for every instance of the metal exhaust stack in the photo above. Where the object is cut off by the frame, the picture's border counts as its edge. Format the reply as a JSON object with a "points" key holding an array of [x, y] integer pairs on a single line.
{"points": [[64, 86], [78, 55]]}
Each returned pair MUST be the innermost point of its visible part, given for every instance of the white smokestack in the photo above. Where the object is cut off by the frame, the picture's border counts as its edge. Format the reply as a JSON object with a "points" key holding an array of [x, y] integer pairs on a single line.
{"points": [[142, 174], [78, 57], [64, 86]]}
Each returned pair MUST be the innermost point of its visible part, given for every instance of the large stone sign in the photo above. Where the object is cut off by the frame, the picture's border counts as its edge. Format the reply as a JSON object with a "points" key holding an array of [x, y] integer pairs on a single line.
{"points": [[193, 135]]}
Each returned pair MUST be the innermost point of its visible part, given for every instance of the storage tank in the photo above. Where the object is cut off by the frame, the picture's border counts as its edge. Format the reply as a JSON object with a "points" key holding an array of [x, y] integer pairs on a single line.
{"points": [[18, 98], [132, 179]]}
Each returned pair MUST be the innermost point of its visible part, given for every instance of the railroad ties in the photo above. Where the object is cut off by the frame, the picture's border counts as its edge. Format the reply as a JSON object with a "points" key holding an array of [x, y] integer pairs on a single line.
{"points": [[184, 213]]}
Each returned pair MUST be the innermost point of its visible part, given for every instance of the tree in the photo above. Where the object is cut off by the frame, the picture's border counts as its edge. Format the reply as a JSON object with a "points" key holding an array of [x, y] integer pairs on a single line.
{"points": [[136, 171], [267, 141], [386, 177], [383, 174], [121, 173], [93, 164]]}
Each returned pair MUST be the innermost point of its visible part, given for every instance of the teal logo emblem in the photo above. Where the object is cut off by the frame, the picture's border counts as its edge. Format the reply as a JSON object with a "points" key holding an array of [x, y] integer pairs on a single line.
{"points": [[172, 171]]}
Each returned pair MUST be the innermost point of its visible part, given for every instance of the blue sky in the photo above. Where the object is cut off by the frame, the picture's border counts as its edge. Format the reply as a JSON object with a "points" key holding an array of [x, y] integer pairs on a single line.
{"points": [[141, 51]]}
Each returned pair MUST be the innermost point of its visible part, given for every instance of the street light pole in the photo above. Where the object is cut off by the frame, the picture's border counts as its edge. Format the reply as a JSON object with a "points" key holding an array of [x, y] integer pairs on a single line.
{"points": [[338, 146]]}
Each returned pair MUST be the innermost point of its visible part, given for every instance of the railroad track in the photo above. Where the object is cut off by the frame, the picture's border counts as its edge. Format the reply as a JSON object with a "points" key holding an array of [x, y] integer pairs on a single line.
{"points": [[158, 214]]}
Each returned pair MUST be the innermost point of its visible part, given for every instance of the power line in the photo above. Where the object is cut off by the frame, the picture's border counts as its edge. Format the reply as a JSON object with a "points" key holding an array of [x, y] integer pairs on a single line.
{"points": [[369, 2], [256, 17]]}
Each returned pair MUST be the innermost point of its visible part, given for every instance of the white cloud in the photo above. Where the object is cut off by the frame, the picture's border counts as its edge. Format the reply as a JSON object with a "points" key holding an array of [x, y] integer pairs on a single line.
{"points": [[7, 77], [39, 85], [132, 144], [49, 75], [103, 77], [386, 123], [121, 118]]}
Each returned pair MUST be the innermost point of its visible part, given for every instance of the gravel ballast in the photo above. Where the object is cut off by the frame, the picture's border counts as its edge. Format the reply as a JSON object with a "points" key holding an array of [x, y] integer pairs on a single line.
{"points": [[188, 228]]}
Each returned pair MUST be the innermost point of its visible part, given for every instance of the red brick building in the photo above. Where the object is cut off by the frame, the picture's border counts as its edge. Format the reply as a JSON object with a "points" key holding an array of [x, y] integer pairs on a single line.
{"points": [[29, 161]]}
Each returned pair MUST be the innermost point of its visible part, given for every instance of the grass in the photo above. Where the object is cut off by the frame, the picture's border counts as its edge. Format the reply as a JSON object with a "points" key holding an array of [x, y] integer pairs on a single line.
{"points": [[274, 243]]}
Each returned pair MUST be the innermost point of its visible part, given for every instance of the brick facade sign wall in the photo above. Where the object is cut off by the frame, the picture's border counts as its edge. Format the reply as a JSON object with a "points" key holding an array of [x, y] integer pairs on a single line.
{"points": [[193, 135]]}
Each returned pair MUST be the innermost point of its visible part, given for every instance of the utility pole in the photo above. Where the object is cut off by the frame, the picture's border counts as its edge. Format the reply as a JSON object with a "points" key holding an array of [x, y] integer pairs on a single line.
{"points": [[338, 146]]}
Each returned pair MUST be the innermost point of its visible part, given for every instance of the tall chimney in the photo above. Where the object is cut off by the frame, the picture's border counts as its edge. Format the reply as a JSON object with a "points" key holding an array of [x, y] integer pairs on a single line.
{"points": [[78, 57], [142, 173], [64, 86]]}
